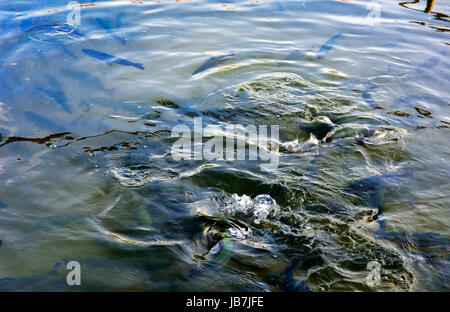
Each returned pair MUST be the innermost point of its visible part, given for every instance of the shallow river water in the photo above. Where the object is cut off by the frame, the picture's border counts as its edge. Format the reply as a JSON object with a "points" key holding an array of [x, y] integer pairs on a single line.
{"points": [[353, 192]]}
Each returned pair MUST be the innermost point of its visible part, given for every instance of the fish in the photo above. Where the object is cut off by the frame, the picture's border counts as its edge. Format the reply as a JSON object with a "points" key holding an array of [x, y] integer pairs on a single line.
{"points": [[296, 146], [367, 97], [3, 206], [327, 46], [321, 127], [26, 283], [295, 55], [212, 62], [379, 136], [219, 255], [421, 241], [310, 251], [1, 243], [92, 80], [109, 29], [110, 59], [290, 284], [119, 19], [43, 123], [428, 64], [56, 93], [279, 6], [372, 189]]}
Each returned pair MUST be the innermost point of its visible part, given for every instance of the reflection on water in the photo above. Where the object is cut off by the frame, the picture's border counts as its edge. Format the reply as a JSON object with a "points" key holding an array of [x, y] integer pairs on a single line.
{"points": [[428, 9], [87, 108]]}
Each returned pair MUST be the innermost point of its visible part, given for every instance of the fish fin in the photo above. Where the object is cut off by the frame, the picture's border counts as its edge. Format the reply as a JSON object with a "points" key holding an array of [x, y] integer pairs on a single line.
{"points": [[121, 40], [329, 134], [360, 141], [139, 65], [302, 287], [119, 18], [55, 268], [377, 200], [381, 232]]}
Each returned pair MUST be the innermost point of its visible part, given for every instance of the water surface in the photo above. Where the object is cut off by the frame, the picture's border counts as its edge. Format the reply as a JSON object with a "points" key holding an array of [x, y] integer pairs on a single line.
{"points": [[86, 171]]}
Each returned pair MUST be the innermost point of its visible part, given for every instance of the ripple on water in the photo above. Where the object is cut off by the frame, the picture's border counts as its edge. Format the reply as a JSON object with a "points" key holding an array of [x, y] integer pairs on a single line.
{"points": [[342, 253], [57, 32]]}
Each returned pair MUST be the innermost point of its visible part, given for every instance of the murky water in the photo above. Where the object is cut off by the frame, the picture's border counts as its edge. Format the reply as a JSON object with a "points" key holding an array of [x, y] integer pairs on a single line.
{"points": [[90, 93]]}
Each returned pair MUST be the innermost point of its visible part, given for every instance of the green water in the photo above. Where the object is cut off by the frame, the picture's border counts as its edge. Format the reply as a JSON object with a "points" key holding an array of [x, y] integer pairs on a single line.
{"points": [[87, 174]]}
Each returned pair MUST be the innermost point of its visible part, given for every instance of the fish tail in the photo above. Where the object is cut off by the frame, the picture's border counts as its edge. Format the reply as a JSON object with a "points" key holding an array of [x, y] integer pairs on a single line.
{"points": [[381, 232], [66, 108], [121, 40], [138, 65], [54, 269]]}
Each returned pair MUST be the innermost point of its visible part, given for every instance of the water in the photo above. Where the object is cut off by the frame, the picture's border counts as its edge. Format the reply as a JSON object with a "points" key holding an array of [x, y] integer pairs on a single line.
{"points": [[87, 175]]}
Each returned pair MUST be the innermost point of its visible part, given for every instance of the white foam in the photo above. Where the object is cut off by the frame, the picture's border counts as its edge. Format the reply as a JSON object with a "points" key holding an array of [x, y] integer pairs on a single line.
{"points": [[295, 146], [258, 209], [239, 233]]}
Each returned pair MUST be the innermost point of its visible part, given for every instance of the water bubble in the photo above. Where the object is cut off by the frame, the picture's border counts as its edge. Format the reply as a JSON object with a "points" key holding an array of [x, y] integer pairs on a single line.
{"points": [[258, 209]]}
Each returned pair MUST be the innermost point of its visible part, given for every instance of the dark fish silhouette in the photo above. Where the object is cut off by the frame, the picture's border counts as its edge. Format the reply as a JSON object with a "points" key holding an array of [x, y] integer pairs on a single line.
{"points": [[367, 97], [421, 241], [84, 78], [110, 59], [26, 283], [296, 54], [372, 189], [212, 62], [43, 123], [110, 30], [428, 64], [119, 19], [321, 127], [56, 93], [3, 206], [327, 46], [290, 284], [218, 257]]}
